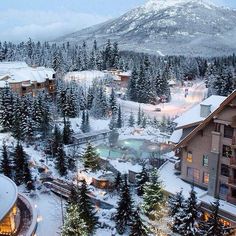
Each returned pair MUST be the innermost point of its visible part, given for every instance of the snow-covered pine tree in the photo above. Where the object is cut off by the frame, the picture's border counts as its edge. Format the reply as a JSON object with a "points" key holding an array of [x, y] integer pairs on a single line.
{"points": [[187, 217], [142, 179], [56, 140], [91, 158], [5, 164], [113, 103], [74, 225], [139, 119], [67, 132], [131, 120], [137, 228], [175, 203], [118, 182], [123, 216], [60, 161], [83, 122], [119, 118], [153, 194], [144, 122], [213, 226], [87, 211]]}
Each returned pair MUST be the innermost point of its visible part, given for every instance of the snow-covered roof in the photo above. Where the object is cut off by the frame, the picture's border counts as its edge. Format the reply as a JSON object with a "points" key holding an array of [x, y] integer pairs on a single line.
{"points": [[193, 115], [8, 195], [125, 73], [176, 136], [20, 71]]}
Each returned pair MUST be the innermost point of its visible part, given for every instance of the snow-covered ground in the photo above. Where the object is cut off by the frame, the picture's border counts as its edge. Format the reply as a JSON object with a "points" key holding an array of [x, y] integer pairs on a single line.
{"points": [[177, 106]]}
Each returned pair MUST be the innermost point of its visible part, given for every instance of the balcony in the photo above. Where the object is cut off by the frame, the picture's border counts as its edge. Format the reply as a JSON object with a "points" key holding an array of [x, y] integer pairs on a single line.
{"points": [[231, 199]]}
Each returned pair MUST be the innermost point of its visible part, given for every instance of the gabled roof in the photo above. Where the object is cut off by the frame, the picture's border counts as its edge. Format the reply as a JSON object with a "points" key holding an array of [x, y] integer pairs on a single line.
{"points": [[192, 117], [207, 120]]}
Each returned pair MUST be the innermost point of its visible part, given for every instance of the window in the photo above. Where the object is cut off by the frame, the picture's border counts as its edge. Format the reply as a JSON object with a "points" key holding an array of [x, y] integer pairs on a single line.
{"points": [[205, 178], [233, 192], [227, 151], [228, 131], [190, 157], [217, 127], [224, 170], [38, 84], [224, 189], [193, 173], [205, 161]]}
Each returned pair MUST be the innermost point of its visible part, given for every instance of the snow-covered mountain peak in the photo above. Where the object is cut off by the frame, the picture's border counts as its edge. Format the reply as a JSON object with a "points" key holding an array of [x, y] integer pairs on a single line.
{"points": [[156, 5]]}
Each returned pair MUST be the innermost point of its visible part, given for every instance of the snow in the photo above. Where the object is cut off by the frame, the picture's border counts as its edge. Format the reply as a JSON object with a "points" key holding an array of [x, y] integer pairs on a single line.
{"points": [[173, 184], [85, 77], [224, 206], [193, 115], [21, 72], [176, 136], [8, 195]]}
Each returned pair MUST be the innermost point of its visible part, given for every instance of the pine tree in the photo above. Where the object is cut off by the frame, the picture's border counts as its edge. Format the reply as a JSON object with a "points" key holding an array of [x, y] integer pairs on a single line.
{"points": [[5, 166], [119, 118], [56, 140], [113, 103], [153, 194], [74, 225], [175, 203], [85, 122], [131, 120], [113, 122], [139, 120], [188, 216], [67, 132], [142, 179], [132, 86], [118, 182], [124, 212], [213, 226], [144, 122], [137, 227], [91, 158], [87, 212], [61, 163]]}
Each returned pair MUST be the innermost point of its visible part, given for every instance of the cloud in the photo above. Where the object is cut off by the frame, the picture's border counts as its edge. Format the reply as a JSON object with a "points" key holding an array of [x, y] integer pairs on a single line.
{"points": [[17, 25]]}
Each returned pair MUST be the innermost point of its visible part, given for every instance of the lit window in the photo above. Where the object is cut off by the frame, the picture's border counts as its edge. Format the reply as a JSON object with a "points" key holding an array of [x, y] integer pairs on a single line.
{"points": [[205, 178], [193, 173], [205, 161], [190, 157]]}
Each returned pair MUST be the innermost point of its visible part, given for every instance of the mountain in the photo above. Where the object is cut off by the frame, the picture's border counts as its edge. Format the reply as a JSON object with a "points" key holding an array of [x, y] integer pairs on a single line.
{"points": [[168, 27]]}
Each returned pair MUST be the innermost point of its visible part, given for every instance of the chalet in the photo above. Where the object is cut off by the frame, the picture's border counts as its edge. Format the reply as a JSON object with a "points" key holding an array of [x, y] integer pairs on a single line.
{"points": [[206, 146], [24, 79]]}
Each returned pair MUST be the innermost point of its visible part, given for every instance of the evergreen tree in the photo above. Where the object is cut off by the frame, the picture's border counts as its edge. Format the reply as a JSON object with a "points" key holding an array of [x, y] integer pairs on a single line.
{"points": [[131, 120], [144, 122], [118, 182], [139, 120], [176, 203], [113, 103], [132, 86], [57, 140], [153, 194], [142, 179], [137, 227], [213, 226], [61, 164], [87, 212], [124, 212], [66, 135], [188, 216], [113, 122], [87, 122], [5, 166], [91, 158], [119, 118], [74, 225]]}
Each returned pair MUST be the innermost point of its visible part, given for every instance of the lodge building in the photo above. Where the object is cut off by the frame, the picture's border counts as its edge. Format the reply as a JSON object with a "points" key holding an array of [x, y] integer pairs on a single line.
{"points": [[207, 152], [26, 80]]}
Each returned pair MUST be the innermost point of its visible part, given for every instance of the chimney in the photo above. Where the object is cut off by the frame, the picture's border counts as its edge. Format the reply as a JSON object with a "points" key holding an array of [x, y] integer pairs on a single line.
{"points": [[205, 110]]}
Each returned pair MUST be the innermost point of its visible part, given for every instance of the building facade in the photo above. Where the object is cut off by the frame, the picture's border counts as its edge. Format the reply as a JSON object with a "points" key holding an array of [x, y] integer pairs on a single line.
{"points": [[208, 155], [24, 80]]}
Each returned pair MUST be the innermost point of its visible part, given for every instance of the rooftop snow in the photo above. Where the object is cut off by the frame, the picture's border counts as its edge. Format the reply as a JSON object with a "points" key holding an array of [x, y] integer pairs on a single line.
{"points": [[176, 136], [193, 115], [8, 195]]}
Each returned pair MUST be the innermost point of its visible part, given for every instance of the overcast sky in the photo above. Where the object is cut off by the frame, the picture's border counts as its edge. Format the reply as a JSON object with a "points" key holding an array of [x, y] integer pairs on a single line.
{"points": [[48, 19]]}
